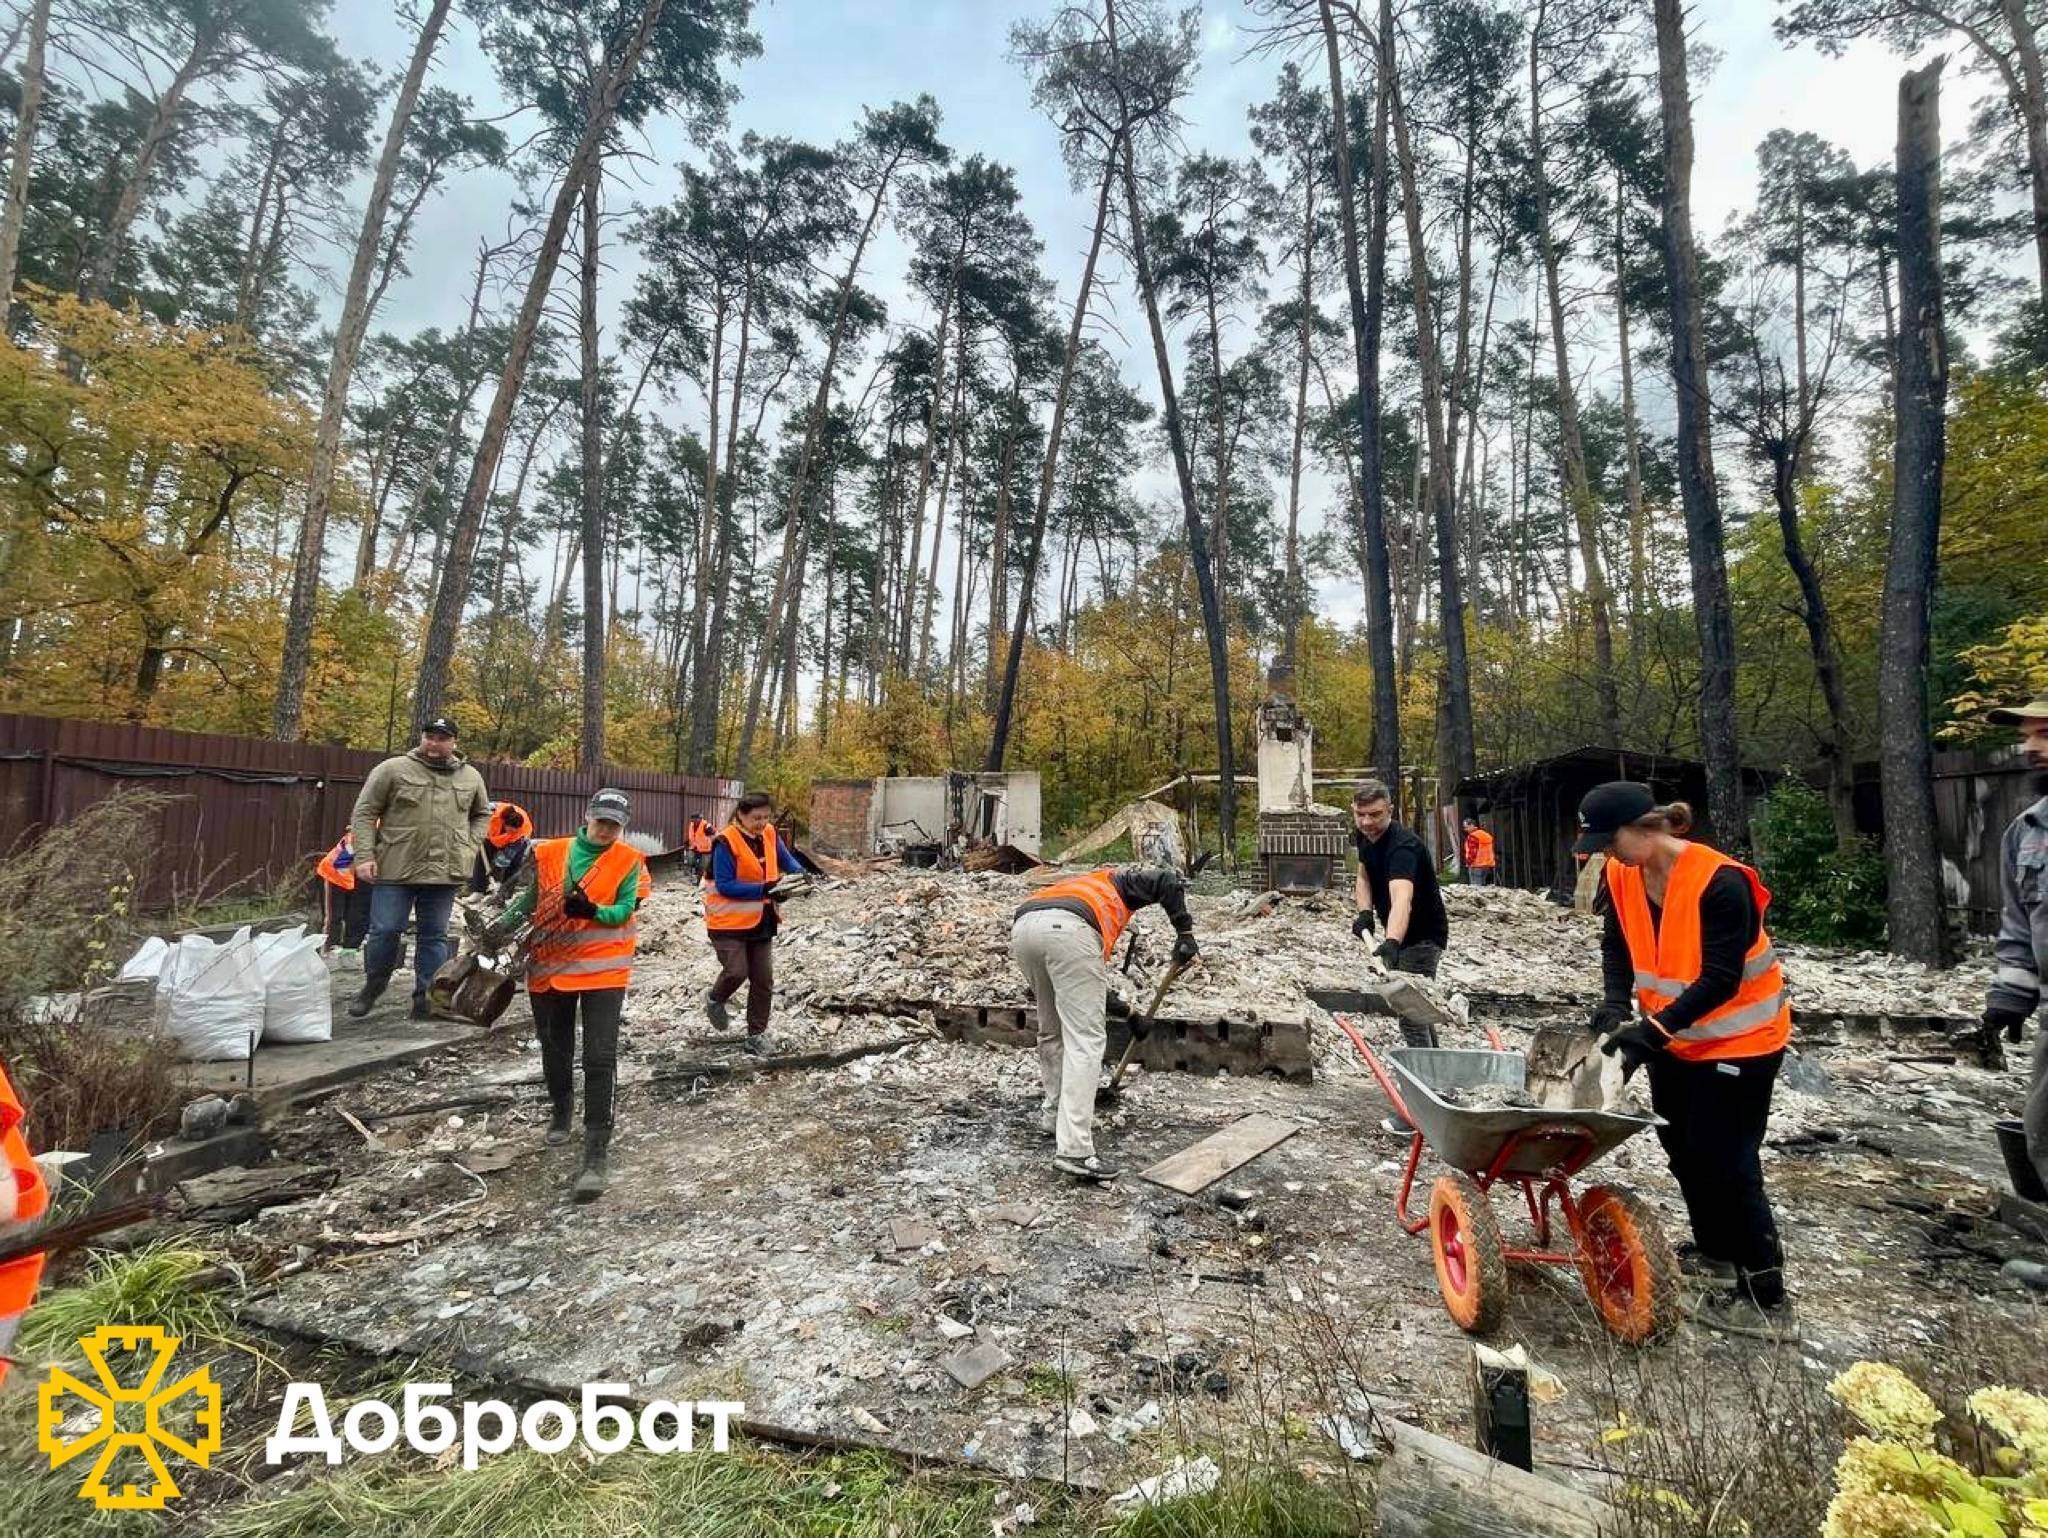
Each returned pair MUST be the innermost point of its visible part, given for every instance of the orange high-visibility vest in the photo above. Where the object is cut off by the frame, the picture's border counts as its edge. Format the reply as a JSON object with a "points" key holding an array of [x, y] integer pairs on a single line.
{"points": [[1479, 849], [570, 955], [699, 836], [18, 1278], [509, 823], [343, 876], [731, 913], [1758, 1020], [1098, 890]]}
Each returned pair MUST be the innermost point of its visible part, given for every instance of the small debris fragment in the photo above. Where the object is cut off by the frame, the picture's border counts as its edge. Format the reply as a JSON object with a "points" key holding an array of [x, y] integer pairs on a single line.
{"points": [[977, 1364]]}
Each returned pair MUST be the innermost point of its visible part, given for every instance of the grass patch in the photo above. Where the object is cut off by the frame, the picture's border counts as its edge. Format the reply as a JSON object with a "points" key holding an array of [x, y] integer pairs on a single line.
{"points": [[1048, 1385], [154, 1285]]}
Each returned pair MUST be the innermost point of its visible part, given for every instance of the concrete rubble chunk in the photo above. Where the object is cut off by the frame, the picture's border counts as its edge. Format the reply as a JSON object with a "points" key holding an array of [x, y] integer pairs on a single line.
{"points": [[910, 1234], [977, 1364]]}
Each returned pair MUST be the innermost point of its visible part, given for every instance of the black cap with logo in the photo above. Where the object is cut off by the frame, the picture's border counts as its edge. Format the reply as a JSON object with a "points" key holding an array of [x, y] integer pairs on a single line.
{"points": [[440, 726], [610, 806], [1608, 808]]}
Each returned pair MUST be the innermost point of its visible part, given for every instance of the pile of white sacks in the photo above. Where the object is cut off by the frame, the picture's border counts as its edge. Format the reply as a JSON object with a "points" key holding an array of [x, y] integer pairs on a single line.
{"points": [[219, 999]]}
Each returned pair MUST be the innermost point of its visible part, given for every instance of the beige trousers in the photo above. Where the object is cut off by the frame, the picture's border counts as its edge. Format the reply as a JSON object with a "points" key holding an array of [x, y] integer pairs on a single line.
{"points": [[1061, 958]]}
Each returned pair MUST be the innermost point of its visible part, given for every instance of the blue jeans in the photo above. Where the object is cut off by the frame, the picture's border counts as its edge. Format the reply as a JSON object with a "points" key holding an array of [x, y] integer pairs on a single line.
{"points": [[390, 905]]}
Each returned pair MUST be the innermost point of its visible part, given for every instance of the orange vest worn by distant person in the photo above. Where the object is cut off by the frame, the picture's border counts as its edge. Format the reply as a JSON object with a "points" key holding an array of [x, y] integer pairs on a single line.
{"points": [[571, 955], [334, 873], [699, 836], [509, 824], [18, 1278], [1758, 1020], [1479, 850], [1098, 890], [728, 914]]}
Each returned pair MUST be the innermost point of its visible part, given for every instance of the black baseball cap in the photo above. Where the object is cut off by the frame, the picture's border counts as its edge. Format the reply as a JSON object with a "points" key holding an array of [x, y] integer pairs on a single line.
{"points": [[611, 806], [440, 726], [1608, 808]]}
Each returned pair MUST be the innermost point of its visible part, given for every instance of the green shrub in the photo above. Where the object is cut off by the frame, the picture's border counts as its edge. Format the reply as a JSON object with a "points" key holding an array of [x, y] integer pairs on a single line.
{"points": [[1820, 892]]}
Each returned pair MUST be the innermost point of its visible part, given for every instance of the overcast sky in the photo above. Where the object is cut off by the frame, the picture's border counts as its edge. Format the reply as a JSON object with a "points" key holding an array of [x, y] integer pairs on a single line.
{"points": [[823, 60]]}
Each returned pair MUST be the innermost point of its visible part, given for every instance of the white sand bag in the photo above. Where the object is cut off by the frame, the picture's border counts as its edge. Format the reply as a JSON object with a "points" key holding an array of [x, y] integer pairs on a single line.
{"points": [[210, 998], [298, 1002], [148, 960]]}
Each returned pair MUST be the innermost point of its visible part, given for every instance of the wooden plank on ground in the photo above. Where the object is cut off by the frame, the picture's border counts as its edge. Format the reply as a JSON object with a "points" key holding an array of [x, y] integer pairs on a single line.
{"points": [[1433, 1488], [1203, 1164]]}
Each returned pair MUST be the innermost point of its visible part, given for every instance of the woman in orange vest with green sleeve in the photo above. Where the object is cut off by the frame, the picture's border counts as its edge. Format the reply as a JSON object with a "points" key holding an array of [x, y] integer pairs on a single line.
{"points": [[1694, 993], [585, 894], [24, 1196]]}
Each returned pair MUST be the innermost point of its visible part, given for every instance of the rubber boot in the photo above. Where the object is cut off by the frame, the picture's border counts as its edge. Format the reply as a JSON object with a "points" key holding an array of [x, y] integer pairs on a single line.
{"points": [[558, 1069], [563, 1110], [367, 996], [592, 1179]]}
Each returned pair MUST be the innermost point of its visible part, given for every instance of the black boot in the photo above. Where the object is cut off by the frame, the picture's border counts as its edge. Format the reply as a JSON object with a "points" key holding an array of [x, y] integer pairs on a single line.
{"points": [[558, 1121], [592, 1179], [558, 1069], [367, 996]]}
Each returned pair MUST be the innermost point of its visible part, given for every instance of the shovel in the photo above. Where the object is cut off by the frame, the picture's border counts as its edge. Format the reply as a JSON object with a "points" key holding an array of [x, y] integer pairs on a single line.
{"points": [[1110, 1091]]}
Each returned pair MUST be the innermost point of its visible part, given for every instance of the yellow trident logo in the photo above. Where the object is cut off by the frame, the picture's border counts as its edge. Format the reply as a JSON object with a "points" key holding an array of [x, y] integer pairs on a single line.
{"points": [[106, 1398]]}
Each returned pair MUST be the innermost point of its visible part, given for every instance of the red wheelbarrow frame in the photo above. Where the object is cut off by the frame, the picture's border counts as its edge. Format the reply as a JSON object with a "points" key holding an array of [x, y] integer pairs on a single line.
{"points": [[1554, 1185]]}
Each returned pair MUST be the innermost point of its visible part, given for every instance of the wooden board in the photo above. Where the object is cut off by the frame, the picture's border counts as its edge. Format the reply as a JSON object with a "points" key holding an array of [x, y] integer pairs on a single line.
{"points": [[1433, 1488], [1203, 1164]]}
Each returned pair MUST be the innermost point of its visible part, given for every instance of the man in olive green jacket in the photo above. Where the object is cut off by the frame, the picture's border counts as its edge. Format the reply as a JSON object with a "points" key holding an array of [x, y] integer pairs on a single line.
{"points": [[417, 825]]}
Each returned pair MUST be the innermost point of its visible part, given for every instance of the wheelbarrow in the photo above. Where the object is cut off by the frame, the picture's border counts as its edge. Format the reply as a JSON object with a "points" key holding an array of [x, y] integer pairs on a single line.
{"points": [[1611, 1235]]}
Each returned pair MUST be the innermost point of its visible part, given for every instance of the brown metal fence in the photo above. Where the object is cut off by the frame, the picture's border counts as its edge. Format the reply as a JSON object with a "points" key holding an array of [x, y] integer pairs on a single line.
{"points": [[247, 813]]}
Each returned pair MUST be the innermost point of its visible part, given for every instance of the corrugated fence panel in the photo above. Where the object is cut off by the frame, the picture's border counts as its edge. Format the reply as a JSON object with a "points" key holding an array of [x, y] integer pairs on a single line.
{"points": [[248, 814], [1976, 795]]}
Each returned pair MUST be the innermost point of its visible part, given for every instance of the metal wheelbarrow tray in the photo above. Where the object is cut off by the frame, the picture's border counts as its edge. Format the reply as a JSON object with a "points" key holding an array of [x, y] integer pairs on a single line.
{"points": [[1612, 1236]]}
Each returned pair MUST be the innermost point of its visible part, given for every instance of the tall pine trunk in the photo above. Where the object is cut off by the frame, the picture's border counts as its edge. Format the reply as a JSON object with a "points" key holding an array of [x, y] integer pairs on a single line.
{"points": [[104, 261], [1906, 760], [1631, 437], [1368, 304], [1713, 614], [590, 743], [348, 340], [437, 656], [33, 82]]}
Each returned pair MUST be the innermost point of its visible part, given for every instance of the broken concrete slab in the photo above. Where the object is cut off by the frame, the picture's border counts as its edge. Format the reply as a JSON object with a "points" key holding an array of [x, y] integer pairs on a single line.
{"points": [[977, 1364], [910, 1234], [1187, 1041]]}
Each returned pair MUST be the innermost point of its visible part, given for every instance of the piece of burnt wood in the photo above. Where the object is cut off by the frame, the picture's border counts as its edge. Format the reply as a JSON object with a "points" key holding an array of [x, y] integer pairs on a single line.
{"points": [[1195, 1042], [232, 1195], [1433, 1488]]}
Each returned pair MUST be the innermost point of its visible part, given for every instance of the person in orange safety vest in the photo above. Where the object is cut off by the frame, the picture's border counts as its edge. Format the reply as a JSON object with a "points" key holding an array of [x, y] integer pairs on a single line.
{"points": [[345, 896], [697, 839], [748, 859], [1062, 941], [1695, 994], [1478, 854], [584, 893], [507, 843], [24, 1197]]}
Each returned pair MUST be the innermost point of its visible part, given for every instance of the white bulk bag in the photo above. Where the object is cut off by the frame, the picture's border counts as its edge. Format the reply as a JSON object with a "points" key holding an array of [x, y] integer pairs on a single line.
{"points": [[298, 1003], [148, 961], [210, 998]]}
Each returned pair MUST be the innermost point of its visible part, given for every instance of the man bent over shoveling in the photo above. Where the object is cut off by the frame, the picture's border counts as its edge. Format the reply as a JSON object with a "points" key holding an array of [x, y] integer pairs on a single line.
{"points": [[1062, 940]]}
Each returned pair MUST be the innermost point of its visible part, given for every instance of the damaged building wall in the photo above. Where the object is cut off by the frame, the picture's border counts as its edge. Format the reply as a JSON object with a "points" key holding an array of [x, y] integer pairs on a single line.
{"points": [[934, 815]]}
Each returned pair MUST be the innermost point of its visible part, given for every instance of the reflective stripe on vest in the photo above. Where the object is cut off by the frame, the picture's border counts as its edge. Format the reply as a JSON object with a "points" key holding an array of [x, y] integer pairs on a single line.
{"points": [[740, 913], [1097, 889], [1667, 959], [343, 876], [18, 1278], [571, 954]]}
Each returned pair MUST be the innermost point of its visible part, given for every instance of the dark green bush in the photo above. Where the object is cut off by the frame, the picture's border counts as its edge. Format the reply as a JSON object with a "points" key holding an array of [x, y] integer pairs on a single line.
{"points": [[1820, 892]]}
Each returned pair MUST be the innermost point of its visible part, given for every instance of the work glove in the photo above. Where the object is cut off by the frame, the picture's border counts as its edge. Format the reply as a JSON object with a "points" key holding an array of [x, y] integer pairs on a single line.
{"points": [[2011, 1021], [1361, 926], [1117, 1007], [1184, 947], [576, 905], [1637, 1044], [1608, 1017], [1389, 952]]}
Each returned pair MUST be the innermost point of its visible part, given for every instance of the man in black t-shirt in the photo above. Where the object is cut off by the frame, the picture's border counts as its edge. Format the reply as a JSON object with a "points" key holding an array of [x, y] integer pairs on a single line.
{"points": [[1396, 881]]}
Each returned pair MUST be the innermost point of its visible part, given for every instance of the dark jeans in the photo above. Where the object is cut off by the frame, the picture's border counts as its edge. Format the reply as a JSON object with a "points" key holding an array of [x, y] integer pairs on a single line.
{"points": [[348, 914], [554, 1022], [390, 905], [1716, 1114], [751, 962], [1419, 959], [1479, 875]]}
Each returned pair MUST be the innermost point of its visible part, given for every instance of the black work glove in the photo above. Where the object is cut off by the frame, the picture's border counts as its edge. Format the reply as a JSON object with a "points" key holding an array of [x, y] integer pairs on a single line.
{"points": [[2011, 1021], [1608, 1017], [1184, 947], [1117, 1007], [1637, 1044], [1390, 953], [1361, 926], [576, 905]]}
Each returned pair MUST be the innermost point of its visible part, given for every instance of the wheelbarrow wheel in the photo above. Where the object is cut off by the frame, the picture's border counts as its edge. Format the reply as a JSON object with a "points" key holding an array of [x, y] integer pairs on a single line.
{"points": [[1629, 1268], [1471, 1262]]}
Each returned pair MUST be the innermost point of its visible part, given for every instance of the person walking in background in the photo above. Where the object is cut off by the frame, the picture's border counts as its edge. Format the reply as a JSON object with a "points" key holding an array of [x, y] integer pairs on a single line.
{"points": [[584, 893], [507, 842], [1397, 885], [344, 897], [697, 838], [748, 859], [2022, 949], [1694, 993], [1478, 854], [418, 824]]}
